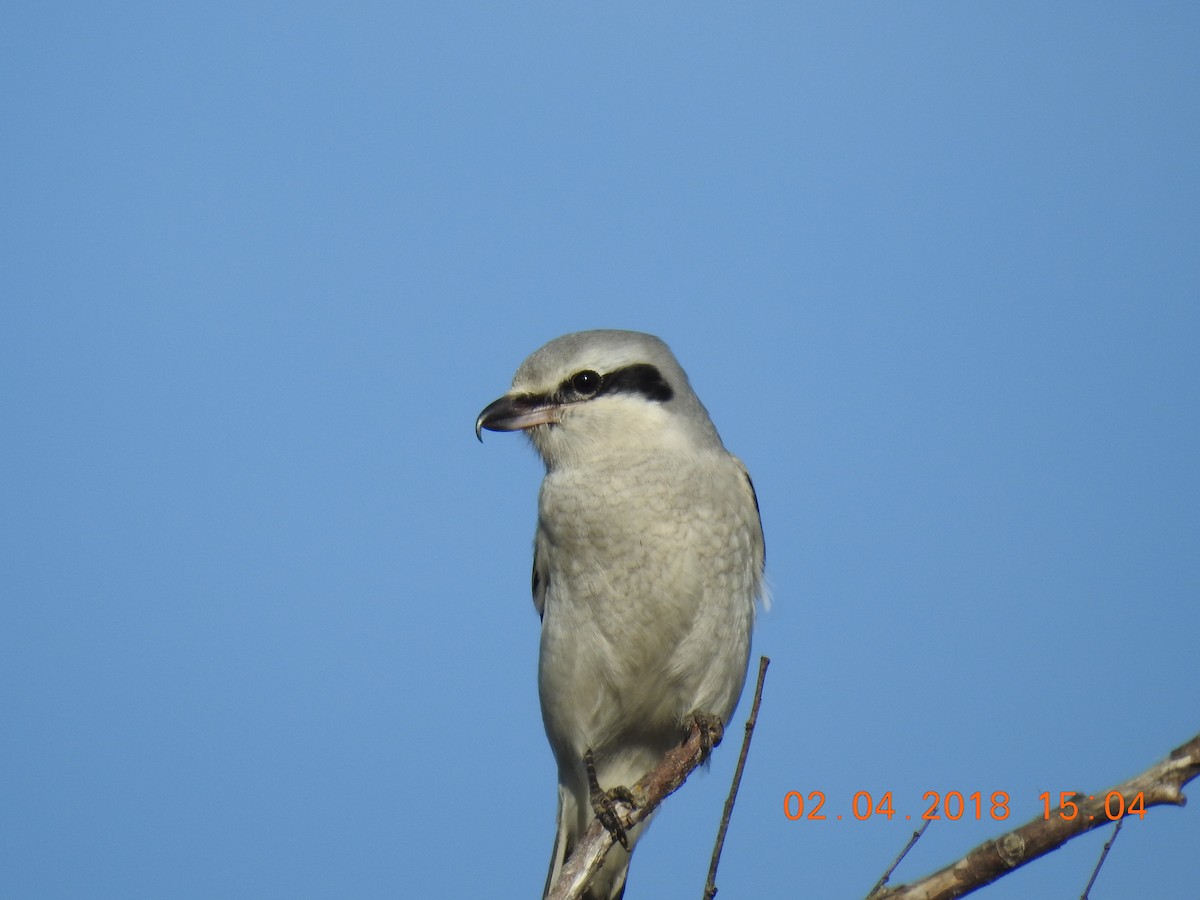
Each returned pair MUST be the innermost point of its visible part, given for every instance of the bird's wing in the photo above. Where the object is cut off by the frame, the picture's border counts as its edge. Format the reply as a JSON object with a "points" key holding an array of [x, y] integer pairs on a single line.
{"points": [[762, 544], [541, 577]]}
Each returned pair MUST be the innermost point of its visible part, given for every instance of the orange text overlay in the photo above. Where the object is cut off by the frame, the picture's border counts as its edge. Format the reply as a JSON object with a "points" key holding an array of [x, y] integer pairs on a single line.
{"points": [[955, 805]]}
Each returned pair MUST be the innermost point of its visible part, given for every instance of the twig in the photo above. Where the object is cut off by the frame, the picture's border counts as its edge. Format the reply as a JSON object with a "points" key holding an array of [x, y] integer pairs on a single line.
{"points": [[649, 792], [1103, 854], [710, 887], [1159, 785], [912, 842]]}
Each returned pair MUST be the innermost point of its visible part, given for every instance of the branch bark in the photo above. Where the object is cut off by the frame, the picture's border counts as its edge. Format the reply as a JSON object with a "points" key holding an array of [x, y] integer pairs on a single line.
{"points": [[662, 781], [1161, 784]]}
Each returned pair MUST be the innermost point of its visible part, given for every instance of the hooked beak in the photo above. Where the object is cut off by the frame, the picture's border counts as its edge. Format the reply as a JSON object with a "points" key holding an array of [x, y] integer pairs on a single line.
{"points": [[516, 412]]}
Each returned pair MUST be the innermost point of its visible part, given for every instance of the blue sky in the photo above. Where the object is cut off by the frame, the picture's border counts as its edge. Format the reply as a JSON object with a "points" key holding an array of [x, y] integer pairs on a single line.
{"points": [[266, 629]]}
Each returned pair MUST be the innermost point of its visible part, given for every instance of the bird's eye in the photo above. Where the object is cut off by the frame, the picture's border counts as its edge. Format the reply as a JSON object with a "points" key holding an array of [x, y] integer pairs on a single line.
{"points": [[586, 382]]}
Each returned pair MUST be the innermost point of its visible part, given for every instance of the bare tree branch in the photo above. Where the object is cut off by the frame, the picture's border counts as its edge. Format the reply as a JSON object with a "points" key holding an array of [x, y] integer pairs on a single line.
{"points": [[1161, 784], [1103, 856], [710, 887], [912, 842], [649, 792]]}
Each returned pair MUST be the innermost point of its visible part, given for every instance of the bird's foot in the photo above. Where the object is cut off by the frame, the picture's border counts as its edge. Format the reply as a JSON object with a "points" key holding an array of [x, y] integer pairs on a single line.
{"points": [[604, 803], [711, 729]]}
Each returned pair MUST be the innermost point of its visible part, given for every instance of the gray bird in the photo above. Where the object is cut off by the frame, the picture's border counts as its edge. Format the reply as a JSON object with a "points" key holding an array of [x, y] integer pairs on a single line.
{"points": [[648, 560]]}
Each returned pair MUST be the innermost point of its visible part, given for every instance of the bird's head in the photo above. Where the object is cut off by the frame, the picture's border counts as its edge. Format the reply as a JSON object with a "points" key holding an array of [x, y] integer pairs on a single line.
{"points": [[594, 394]]}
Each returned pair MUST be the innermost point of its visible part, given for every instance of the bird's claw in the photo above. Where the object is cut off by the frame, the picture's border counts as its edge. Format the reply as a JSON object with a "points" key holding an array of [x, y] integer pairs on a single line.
{"points": [[604, 803], [711, 729]]}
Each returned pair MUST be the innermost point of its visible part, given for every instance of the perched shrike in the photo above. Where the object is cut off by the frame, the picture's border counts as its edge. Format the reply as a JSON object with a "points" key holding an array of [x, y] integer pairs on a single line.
{"points": [[647, 563]]}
